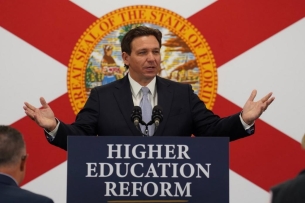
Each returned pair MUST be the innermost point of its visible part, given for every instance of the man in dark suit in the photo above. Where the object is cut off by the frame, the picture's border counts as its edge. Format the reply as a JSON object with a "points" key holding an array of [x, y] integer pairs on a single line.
{"points": [[12, 169], [291, 190], [108, 108]]}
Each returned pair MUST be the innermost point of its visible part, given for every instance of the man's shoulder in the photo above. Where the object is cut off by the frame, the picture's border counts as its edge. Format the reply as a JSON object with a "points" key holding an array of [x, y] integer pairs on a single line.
{"points": [[16, 194], [299, 180], [28, 196], [290, 191], [124, 83], [169, 82]]}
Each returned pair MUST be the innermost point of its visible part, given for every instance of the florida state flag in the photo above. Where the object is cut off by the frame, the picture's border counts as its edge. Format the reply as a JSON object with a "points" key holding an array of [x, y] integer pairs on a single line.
{"points": [[224, 49]]}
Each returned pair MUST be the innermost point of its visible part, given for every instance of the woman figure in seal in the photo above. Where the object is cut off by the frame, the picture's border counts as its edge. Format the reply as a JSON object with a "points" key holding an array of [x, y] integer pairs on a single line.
{"points": [[108, 66]]}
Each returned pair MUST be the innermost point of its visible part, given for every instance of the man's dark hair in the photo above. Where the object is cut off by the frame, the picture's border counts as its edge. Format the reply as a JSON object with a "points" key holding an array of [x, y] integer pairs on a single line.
{"points": [[138, 32], [11, 145]]}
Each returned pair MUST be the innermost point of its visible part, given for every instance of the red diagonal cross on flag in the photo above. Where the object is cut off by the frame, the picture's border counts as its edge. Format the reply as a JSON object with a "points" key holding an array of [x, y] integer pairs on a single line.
{"points": [[256, 44]]}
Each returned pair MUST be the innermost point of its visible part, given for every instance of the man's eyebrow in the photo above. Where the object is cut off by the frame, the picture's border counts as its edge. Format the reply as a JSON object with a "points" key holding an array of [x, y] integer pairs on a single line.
{"points": [[145, 49]]}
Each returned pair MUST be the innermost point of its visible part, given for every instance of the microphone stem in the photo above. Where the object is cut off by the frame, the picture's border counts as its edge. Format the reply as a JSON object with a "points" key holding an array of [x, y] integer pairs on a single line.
{"points": [[146, 130]]}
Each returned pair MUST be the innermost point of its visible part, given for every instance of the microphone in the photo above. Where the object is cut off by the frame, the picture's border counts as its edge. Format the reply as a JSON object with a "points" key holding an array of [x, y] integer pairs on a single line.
{"points": [[136, 115], [157, 115]]}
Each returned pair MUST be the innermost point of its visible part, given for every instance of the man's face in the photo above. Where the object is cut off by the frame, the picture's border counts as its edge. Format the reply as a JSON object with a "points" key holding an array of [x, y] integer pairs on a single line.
{"points": [[144, 59]]}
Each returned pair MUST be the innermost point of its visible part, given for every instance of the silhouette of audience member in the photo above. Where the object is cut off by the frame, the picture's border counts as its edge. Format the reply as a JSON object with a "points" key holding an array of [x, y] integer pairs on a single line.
{"points": [[291, 191], [13, 159]]}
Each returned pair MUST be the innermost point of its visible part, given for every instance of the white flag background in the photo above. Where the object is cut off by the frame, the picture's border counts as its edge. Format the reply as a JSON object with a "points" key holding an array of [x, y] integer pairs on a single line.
{"points": [[257, 44]]}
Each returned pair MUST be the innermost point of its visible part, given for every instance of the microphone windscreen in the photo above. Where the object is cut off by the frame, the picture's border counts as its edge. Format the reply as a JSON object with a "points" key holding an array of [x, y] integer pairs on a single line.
{"points": [[157, 114], [137, 108], [136, 114]]}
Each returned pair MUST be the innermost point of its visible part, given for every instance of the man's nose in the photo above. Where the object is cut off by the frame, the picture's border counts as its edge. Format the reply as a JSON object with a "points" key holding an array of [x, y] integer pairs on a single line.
{"points": [[150, 56]]}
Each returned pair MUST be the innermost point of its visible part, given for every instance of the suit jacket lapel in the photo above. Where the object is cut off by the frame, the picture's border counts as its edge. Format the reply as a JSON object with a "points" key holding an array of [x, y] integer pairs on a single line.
{"points": [[124, 100], [165, 97]]}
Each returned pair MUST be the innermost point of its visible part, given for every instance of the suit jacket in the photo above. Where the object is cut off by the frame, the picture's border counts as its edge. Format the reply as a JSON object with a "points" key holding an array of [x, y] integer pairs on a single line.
{"points": [[10, 192], [290, 191], [108, 109]]}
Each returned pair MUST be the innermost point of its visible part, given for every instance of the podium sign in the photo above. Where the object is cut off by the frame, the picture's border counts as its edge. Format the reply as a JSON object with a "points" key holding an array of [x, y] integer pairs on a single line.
{"points": [[124, 169]]}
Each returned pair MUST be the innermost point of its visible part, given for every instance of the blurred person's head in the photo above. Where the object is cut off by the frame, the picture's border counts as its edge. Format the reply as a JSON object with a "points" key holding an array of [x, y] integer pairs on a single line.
{"points": [[12, 153]]}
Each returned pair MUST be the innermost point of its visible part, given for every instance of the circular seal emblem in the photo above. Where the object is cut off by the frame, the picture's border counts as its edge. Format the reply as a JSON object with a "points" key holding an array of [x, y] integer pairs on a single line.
{"points": [[96, 59]]}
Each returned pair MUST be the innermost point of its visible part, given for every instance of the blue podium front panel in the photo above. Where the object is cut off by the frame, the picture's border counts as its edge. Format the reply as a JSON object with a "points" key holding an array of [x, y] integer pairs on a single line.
{"points": [[148, 169]]}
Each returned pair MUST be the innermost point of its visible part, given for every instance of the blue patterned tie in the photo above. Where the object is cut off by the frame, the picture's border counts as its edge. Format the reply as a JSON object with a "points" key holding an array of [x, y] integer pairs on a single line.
{"points": [[146, 110]]}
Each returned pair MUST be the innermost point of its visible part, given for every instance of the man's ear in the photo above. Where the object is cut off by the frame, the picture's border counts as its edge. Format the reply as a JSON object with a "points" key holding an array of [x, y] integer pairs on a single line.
{"points": [[23, 163], [125, 58]]}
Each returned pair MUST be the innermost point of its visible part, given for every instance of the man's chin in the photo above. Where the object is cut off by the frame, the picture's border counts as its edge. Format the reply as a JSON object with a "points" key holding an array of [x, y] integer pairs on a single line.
{"points": [[150, 75]]}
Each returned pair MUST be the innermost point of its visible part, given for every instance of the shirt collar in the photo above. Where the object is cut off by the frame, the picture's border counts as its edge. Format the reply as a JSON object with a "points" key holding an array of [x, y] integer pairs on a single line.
{"points": [[136, 87]]}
